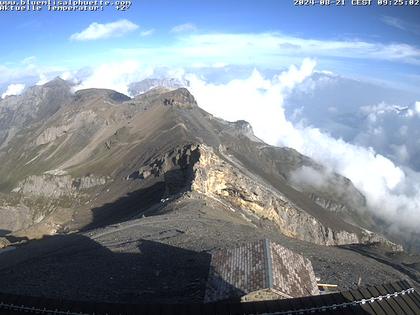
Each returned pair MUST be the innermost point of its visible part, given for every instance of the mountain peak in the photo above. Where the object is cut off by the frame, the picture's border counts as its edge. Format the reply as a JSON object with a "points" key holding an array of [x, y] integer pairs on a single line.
{"points": [[85, 94], [180, 98], [58, 82]]}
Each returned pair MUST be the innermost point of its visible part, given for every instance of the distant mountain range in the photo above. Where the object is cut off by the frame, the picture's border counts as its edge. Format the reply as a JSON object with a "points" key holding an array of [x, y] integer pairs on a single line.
{"points": [[146, 85]]}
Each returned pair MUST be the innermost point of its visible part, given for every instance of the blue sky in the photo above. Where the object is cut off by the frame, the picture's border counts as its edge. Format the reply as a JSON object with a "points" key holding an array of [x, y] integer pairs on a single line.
{"points": [[375, 43]]}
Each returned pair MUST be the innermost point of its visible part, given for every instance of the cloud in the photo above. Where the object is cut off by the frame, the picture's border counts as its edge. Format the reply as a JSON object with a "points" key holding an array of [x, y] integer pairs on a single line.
{"points": [[267, 49], [101, 31], [147, 32], [28, 72], [29, 60], [401, 24], [268, 118], [43, 78], [309, 176], [13, 89], [417, 108], [70, 76], [394, 22], [392, 193], [187, 27], [116, 76]]}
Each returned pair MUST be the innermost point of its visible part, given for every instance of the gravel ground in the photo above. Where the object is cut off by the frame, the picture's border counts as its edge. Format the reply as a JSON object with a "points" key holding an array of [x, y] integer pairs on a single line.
{"points": [[164, 257]]}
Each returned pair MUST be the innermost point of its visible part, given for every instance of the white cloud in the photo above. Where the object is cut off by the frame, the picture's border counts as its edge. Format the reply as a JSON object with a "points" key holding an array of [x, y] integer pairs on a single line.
{"points": [[394, 22], [187, 27], [43, 78], [255, 99], [13, 89], [270, 49], [70, 76], [29, 60], [309, 176], [147, 32], [267, 50], [392, 194], [116, 76], [401, 24], [29, 72], [417, 107], [101, 31]]}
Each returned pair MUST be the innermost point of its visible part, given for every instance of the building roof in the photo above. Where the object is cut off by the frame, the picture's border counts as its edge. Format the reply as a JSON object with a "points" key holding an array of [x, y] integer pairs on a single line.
{"points": [[398, 298], [235, 272]]}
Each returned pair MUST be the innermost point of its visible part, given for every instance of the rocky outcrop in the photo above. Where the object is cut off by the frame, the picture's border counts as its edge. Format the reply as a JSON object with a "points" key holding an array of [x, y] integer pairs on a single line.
{"points": [[88, 182], [176, 166], [329, 204], [54, 132], [180, 98], [48, 186], [216, 178], [4, 242], [369, 237], [199, 168], [52, 186], [15, 217]]}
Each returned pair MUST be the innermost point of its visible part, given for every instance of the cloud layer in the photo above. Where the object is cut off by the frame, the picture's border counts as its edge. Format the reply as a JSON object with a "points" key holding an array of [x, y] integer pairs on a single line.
{"points": [[393, 194], [116, 76], [97, 31], [271, 50], [367, 115], [267, 48]]}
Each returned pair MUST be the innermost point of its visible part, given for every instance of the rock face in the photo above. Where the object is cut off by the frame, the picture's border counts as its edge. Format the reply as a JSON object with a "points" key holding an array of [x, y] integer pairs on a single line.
{"points": [[198, 168], [176, 167], [52, 186], [15, 217], [48, 186], [88, 182], [218, 179], [54, 132]]}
